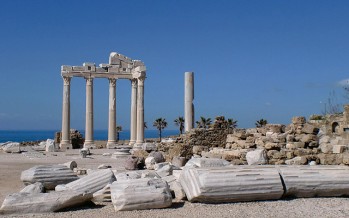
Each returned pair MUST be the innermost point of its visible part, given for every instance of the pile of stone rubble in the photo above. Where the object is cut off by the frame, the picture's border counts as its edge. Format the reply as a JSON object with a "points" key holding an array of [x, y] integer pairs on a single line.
{"points": [[52, 188]]}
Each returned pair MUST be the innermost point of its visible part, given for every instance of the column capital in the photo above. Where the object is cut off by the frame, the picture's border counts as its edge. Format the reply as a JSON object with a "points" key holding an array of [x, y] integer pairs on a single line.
{"points": [[112, 81], [134, 82], [66, 80], [89, 81], [141, 81]]}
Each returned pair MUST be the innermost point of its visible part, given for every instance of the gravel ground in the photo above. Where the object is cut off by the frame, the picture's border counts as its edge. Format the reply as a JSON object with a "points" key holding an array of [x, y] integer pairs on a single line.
{"points": [[11, 166]]}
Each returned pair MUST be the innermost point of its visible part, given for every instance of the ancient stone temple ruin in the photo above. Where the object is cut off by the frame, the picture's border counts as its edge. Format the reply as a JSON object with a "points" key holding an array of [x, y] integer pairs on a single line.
{"points": [[119, 67]]}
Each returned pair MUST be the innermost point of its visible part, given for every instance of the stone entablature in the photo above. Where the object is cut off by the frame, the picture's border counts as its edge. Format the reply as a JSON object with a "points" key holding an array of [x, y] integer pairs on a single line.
{"points": [[119, 67]]}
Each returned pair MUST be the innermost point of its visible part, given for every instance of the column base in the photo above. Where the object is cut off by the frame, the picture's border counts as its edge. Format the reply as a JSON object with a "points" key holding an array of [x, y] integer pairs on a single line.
{"points": [[65, 146], [112, 145], [132, 142], [90, 145]]}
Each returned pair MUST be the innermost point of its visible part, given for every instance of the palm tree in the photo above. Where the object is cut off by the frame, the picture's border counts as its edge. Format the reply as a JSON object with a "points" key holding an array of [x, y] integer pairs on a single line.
{"points": [[160, 124], [145, 125], [203, 122], [180, 122], [118, 130], [232, 124], [261, 123]]}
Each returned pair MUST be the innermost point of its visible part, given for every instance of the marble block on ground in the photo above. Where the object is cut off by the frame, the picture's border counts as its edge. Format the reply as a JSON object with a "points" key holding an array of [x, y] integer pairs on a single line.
{"points": [[140, 194], [231, 184]]}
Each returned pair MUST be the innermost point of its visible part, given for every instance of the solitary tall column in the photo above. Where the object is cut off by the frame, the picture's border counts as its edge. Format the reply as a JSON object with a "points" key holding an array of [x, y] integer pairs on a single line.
{"points": [[112, 114], [188, 101], [65, 140], [89, 142], [133, 126], [140, 111]]}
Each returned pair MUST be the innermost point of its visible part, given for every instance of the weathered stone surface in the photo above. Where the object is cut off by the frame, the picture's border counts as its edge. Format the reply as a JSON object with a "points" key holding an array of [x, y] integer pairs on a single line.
{"points": [[49, 175], [309, 129], [337, 149], [128, 175], [24, 203], [257, 157], [326, 148], [206, 162], [298, 120], [150, 163], [34, 188], [103, 195], [315, 181], [158, 156], [103, 166], [178, 161], [163, 169], [71, 165], [140, 194], [50, 145], [297, 161], [11, 147], [92, 182], [134, 163], [175, 187], [231, 184], [330, 159], [149, 147]]}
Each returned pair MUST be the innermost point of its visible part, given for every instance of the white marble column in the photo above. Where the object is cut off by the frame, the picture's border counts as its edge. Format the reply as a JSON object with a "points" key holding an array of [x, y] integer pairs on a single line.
{"points": [[133, 126], [112, 114], [89, 142], [188, 101], [140, 111], [65, 140]]}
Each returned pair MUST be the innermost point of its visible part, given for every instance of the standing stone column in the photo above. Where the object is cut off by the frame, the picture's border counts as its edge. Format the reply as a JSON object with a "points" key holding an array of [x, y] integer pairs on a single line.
{"points": [[188, 101], [89, 142], [133, 127], [140, 111], [112, 114], [65, 140]]}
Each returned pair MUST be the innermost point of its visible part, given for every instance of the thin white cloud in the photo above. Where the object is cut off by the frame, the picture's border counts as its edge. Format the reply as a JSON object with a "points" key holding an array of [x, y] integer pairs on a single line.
{"points": [[344, 82]]}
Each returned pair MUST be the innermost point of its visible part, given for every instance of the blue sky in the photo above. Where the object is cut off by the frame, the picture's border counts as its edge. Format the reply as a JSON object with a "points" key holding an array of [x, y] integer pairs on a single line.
{"points": [[252, 59]]}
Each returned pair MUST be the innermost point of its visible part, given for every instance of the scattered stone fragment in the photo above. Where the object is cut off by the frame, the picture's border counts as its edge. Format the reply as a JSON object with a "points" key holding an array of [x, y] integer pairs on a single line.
{"points": [[140, 194], [158, 156], [178, 161], [149, 147], [206, 162], [48, 175], [50, 145], [257, 157], [24, 203], [128, 175], [297, 161], [231, 184], [80, 171], [71, 165], [11, 147], [134, 163], [34, 188], [104, 166], [337, 149], [84, 152], [150, 163], [163, 169]]}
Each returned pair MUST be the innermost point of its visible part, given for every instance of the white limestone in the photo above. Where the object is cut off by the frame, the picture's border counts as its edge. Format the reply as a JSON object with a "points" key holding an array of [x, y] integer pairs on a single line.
{"points": [[37, 187], [188, 101], [140, 194], [65, 140], [24, 203], [257, 157], [89, 141], [12, 147], [49, 175], [133, 127], [112, 114], [50, 145], [103, 195], [231, 184], [206, 162], [140, 110], [150, 163], [92, 182], [315, 181]]}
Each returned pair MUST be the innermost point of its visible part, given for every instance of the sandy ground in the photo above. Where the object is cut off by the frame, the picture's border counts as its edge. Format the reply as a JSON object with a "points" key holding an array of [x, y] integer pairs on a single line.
{"points": [[11, 166]]}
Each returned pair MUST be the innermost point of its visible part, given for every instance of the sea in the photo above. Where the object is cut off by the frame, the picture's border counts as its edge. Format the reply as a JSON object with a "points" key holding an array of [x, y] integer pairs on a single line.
{"points": [[40, 135]]}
